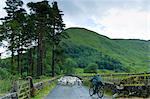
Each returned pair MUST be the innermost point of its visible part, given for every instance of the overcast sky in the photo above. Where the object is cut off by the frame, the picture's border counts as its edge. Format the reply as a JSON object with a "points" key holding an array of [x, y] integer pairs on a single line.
{"points": [[128, 19]]}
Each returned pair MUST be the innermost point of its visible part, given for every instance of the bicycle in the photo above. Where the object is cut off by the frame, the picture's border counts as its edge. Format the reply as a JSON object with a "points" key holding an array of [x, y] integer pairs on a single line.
{"points": [[99, 90]]}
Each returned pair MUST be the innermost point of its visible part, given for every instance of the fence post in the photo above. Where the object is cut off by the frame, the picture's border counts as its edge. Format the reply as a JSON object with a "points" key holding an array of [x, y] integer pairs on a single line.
{"points": [[32, 89], [15, 88]]}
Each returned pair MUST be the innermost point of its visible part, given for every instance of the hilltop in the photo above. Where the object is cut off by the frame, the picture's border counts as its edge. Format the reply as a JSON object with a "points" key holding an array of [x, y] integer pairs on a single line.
{"points": [[86, 45]]}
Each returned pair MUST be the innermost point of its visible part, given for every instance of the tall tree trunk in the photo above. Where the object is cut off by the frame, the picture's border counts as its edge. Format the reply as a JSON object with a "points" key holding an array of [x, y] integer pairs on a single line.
{"points": [[53, 60], [43, 53], [18, 61], [18, 57], [21, 67], [34, 61], [31, 63], [30, 60], [53, 52], [40, 56], [12, 56], [12, 60]]}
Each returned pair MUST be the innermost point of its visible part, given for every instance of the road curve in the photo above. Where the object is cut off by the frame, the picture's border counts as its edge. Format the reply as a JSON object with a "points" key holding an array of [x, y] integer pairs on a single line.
{"points": [[74, 92]]}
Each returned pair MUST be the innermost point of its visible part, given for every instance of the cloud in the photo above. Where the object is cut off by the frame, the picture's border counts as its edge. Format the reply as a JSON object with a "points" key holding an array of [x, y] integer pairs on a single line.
{"points": [[122, 23], [113, 18], [2, 11], [128, 20]]}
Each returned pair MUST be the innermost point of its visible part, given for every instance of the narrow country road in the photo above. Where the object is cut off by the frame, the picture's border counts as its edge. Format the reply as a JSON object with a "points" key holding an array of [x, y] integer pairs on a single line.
{"points": [[74, 92]]}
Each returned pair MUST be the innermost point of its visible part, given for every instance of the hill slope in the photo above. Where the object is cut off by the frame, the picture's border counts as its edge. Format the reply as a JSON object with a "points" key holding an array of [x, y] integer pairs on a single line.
{"points": [[87, 46]]}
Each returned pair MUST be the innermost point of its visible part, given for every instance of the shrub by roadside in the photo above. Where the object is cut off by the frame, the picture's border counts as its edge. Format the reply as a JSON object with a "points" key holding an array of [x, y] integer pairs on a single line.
{"points": [[44, 92]]}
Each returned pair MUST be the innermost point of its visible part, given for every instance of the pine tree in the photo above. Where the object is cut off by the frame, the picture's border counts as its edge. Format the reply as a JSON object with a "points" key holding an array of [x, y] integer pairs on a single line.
{"points": [[56, 32], [48, 28], [20, 37], [40, 10], [12, 27], [29, 42]]}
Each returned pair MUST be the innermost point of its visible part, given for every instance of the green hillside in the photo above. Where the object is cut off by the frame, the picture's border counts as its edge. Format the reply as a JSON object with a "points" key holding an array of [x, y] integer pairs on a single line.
{"points": [[84, 47], [87, 46]]}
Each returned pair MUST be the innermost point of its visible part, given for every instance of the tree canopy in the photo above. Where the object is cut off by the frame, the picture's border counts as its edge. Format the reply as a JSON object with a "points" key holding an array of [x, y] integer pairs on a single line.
{"points": [[28, 33]]}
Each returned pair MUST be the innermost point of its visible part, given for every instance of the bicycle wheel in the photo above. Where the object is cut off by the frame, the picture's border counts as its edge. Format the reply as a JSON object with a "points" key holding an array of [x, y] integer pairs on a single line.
{"points": [[100, 91], [91, 91]]}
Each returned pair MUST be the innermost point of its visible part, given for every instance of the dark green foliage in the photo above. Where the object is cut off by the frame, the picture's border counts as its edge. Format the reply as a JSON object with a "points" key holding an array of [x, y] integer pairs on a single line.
{"points": [[4, 63], [56, 32], [12, 30], [69, 66], [29, 34], [110, 64], [39, 12], [86, 55], [91, 68], [49, 26], [4, 74], [81, 54]]}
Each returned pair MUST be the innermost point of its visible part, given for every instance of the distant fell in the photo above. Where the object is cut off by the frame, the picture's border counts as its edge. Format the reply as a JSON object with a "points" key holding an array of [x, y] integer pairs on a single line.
{"points": [[132, 54]]}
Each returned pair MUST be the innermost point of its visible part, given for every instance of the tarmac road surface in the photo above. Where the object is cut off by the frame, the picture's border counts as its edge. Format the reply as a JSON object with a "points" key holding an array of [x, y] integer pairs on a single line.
{"points": [[74, 92]]}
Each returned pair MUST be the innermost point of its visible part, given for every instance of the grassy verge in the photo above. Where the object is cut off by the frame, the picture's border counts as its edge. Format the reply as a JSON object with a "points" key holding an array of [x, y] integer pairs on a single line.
{"points": [[42, 78], [44, 92], [5, 86], [86, 82]]}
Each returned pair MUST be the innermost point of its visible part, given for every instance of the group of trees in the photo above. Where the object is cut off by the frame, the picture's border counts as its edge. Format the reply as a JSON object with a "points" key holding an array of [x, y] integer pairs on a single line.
{"points": [[91, 68], [91, 59], [29, 33], [34, 40]]}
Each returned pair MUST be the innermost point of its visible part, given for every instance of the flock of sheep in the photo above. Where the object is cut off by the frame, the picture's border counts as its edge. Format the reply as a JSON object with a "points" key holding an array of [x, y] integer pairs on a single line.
{"points": [[70, 80]]}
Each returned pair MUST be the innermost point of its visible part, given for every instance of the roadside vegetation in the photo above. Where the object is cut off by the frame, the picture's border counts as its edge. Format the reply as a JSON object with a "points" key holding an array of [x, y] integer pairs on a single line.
{"points": [[44, 92]]}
